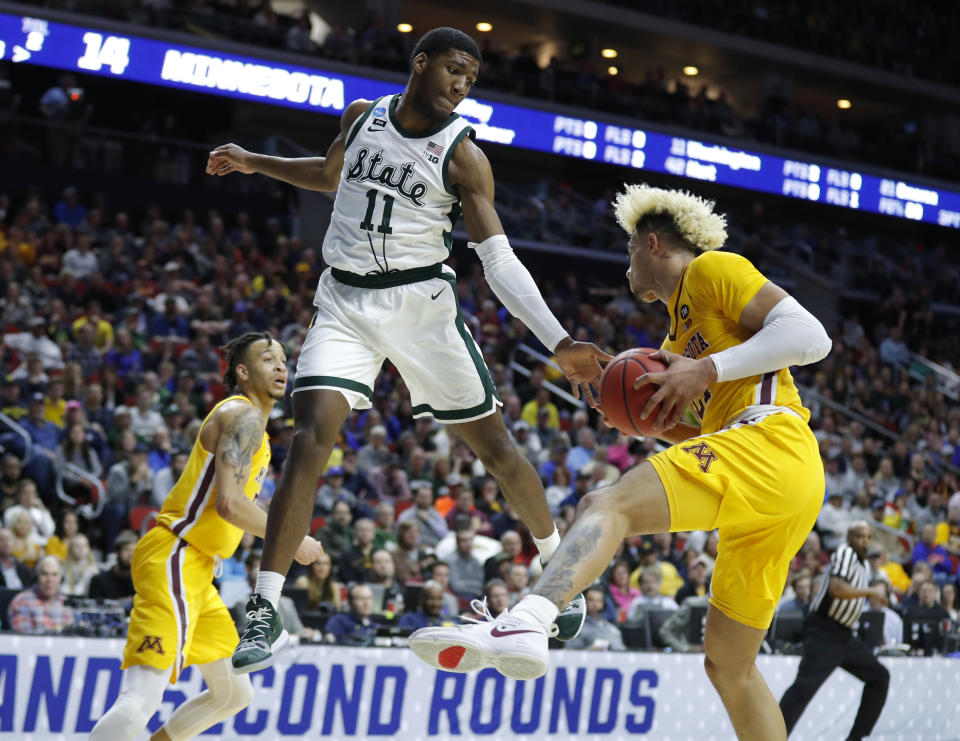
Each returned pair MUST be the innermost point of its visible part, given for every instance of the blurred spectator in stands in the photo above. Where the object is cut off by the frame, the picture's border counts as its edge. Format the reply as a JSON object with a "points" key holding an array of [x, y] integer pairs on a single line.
{"points": [[42, 610], [675, 629], [389, 593], [597, 633], [55, 405], [169, 324], [498, 565], [67, 527], [922, 573], [650, 596], [74, 449], [580, 455], [69, 210], [376, 453], [285, 606], [356, 562], [298, 36], [932, 512], [948, 531], [354, 479], [697, 582], [430, 612], [28, 502], [116, 582], [949, 601], [332, 491], [546, 433], [863, 508], [383, 520], [36, 342], [670, 579], [528, 442], [892, 622], [354, 628], [14, 574], [879, 563], [619, 588], [144, 418], [79, 567], [541, 412], [160, 451], [887, 482], [80, 260], [44, 434], [408, 556], [464, 507], [440, 573], [466, 572], [935, 555], [892, 349], [497, 595], [201, 359], [432, 525], [126, 358], [558, 489], [103, 329], [802, 588], [11, 403], [165, 478], [11, 474], [833, 521], [518, 582], [27, 543], [323, 590], [337, 535], [129, 484], [928, 607]]}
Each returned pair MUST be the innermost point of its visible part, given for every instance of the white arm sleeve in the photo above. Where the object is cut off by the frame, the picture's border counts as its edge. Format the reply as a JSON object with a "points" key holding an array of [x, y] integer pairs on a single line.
{"points": [[790, 335], [514, 286]]}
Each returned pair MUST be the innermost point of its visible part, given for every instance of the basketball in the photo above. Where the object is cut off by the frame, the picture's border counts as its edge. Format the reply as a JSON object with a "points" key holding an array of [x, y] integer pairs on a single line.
{"points": [[620, 402]]}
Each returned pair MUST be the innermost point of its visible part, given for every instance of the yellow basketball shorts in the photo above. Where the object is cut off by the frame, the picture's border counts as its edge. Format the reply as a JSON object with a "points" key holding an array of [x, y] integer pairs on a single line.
{"points": [[760, 482], [178, 617]]}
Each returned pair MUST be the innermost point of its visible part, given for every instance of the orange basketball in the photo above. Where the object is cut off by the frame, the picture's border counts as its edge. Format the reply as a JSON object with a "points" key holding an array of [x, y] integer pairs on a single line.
{"points": [[620, 402]]}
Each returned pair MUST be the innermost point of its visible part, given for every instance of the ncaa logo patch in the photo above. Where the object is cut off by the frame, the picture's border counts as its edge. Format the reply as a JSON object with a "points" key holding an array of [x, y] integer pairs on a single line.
{"points": [[379, 112], [684, 311]]}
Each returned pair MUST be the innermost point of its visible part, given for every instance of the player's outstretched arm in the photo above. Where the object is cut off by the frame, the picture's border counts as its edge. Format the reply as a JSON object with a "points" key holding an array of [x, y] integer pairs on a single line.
{"points": [[511, 282], [238, 441], [310, 173]]}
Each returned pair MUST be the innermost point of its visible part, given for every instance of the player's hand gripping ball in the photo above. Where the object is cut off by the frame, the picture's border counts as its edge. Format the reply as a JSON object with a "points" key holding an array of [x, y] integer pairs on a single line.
{"points": [[620, 402]]}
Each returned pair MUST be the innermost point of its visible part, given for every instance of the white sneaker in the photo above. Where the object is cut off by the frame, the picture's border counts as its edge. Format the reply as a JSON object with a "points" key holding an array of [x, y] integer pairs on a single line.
{"points": [[515, 647]]}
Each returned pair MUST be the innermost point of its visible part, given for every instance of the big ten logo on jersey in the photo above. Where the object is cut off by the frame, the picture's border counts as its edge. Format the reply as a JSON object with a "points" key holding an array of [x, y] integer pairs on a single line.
{"points": [[433, 152], [367, 167], [379, 122]]}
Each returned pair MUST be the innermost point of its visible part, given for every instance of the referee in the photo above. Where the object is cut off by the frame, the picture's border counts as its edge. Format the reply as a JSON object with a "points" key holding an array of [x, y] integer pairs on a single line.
{"points": [[828, 640]]}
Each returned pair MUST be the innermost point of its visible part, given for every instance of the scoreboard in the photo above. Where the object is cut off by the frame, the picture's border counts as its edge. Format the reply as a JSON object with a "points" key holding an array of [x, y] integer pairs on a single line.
{"points": [[27, 40]]}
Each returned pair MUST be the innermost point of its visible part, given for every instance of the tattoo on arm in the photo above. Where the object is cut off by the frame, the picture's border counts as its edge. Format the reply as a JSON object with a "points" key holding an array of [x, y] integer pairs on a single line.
{"points": [[556, 584], [240, 441]]}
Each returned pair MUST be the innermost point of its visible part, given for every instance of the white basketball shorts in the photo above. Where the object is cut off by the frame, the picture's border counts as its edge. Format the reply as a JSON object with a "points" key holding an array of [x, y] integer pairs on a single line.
{"points": [[415, 323]]}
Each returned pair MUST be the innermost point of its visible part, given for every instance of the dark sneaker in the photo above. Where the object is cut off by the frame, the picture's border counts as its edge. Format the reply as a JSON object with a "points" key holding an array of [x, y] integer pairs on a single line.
{"points": [[570, 620], [262, 639]]}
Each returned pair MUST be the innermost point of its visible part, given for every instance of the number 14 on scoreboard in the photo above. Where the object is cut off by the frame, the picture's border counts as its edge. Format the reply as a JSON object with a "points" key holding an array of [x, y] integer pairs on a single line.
{"points": [[112, 52]]}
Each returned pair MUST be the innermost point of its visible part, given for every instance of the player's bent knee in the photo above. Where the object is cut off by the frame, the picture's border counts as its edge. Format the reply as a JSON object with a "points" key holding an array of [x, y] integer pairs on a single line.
{"points": [[242, 692]]}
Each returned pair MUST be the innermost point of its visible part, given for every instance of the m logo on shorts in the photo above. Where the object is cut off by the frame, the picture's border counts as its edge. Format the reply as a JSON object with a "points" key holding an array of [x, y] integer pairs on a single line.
{"points": [[151, 643], [705, 456]]}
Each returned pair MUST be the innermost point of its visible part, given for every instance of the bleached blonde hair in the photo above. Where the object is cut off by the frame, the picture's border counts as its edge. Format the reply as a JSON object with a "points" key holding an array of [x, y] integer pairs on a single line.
{"points": [[692, 217]]}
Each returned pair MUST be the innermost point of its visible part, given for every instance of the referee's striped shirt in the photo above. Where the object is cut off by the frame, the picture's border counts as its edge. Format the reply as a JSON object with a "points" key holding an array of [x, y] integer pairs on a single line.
{"points": [[846, 564]]}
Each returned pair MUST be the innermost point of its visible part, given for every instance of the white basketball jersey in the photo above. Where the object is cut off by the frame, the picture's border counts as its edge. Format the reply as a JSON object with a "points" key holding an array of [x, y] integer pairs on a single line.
{"points": [[395, 207]]}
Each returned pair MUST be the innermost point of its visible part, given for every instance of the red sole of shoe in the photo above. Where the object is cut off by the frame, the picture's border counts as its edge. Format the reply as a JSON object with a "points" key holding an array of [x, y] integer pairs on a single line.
{"points": [[450, 657]]}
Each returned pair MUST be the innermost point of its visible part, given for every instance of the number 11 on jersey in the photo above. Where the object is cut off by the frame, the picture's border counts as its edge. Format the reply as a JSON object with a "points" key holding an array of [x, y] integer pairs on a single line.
{"points": [[367, 223]]}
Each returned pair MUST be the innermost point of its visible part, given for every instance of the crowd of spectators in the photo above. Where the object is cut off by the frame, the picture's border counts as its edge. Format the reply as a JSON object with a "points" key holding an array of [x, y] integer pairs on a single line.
{"points": [[887, 36], [111, 323]]}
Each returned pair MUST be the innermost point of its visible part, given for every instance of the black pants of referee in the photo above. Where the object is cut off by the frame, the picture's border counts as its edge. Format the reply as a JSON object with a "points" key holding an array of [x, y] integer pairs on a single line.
{"points": [[826, 646]]}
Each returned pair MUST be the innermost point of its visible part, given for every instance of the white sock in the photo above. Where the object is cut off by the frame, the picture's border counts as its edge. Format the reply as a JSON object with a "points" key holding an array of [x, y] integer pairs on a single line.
{"points": [[269, 584], [548, 546], [536, 609]]}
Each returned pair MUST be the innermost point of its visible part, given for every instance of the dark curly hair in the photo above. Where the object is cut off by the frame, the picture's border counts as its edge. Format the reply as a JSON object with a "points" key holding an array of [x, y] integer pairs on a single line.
{"points": [[236, 354], [439, 40]]}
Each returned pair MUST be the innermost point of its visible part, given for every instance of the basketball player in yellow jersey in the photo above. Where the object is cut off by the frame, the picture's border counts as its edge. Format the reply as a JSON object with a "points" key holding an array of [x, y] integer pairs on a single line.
{"points": [[752, 470], [178, 618]]}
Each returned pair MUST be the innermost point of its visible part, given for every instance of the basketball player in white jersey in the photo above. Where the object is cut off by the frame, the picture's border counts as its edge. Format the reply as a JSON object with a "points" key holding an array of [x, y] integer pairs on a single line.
{"points": [[404, 167]]}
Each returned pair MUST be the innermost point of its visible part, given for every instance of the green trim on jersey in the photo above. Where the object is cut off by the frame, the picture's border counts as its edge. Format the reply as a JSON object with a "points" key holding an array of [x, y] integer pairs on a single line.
{"points": [[358, 124], [454, 214], [305, 382], [445, 168], [407, 135], [388, 280], [488, 403]]}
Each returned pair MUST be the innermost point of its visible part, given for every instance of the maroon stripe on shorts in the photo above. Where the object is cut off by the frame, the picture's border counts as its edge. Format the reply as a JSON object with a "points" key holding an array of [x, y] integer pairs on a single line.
{"points": [[205, 487], [766, 389], [176, 585]]}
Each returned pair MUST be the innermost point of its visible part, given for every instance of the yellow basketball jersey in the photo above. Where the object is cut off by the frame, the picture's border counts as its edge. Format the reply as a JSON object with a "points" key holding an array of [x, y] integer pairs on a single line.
{"points": [[704, 310], [189, 510]]}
